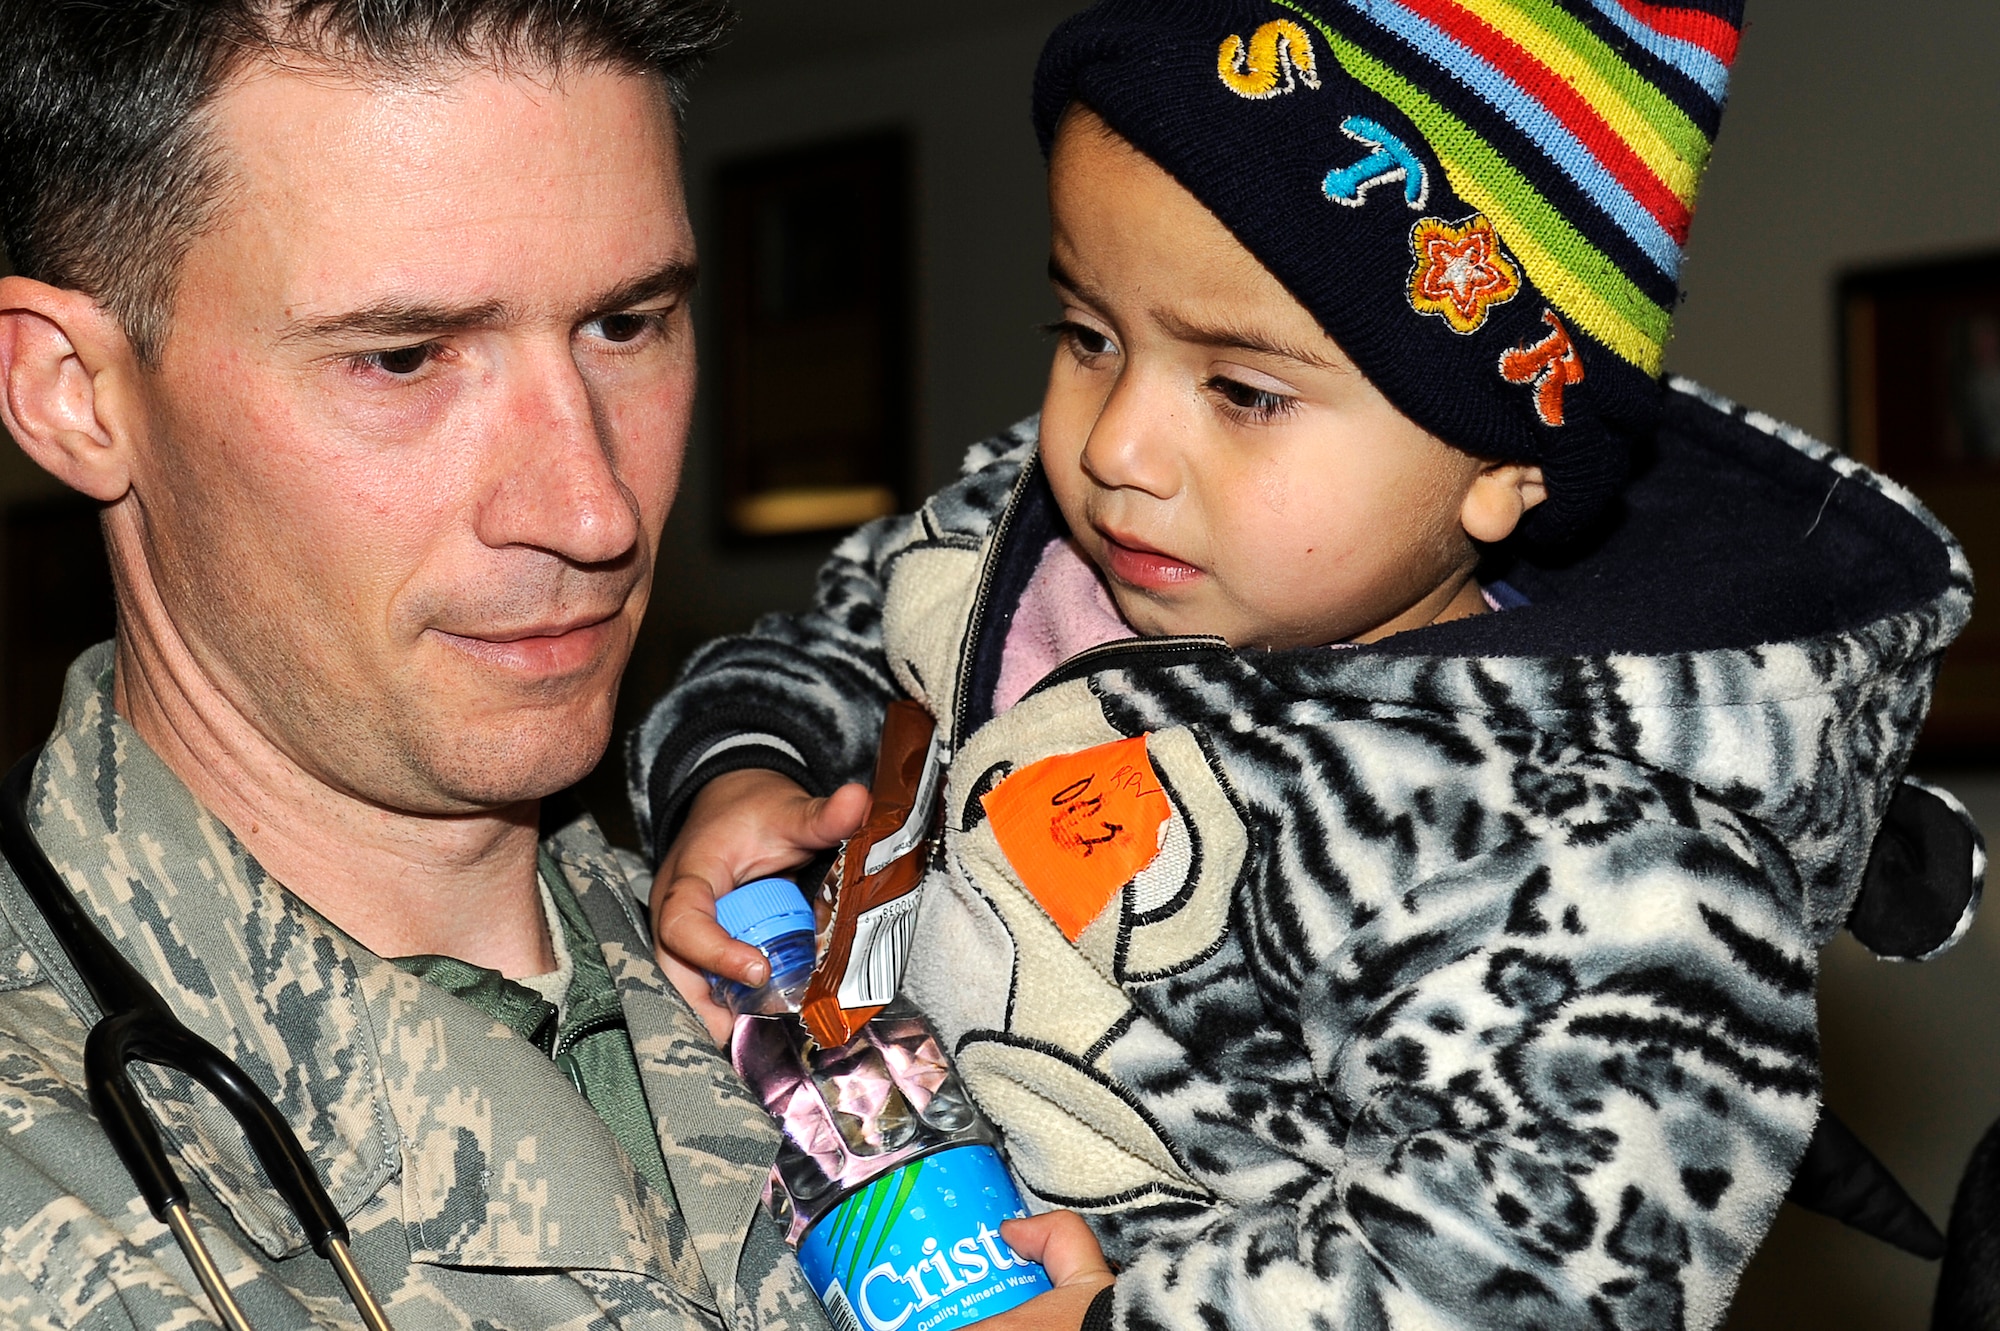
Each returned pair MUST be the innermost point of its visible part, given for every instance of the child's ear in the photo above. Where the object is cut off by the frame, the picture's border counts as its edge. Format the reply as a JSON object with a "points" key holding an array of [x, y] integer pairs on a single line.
{"points": [[68, 386], [1500, 495]]}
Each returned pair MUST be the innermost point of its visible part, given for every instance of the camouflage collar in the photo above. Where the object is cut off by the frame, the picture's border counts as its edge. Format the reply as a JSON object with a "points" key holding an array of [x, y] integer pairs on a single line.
{"points": [[385, 1078]]}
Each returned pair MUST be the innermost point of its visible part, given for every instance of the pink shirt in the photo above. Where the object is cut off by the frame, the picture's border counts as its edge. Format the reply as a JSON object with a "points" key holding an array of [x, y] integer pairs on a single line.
{"points": [[1066, 609]]}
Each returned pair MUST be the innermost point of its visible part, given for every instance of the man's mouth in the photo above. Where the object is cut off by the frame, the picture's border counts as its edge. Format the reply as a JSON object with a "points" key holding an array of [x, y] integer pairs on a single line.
{"points": [[1138, 564], [544, 650]]}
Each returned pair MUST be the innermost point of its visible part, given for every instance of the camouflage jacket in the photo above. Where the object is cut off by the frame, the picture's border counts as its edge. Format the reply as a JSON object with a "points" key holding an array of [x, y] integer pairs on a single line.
{"points": [[481, 1190]]}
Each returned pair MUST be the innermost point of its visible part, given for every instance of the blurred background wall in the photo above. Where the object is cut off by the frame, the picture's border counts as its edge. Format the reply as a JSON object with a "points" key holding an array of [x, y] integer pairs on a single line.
{"points": [[955, 78], [1858, 132]]}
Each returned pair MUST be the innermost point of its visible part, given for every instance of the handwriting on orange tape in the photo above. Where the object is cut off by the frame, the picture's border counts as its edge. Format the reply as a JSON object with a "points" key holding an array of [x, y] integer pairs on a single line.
{"points": [[1079, 826]]}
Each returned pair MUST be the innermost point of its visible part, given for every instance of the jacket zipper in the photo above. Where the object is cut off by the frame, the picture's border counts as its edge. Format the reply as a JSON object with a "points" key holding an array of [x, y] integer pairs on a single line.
{"points": [[1092, 659], [961, 701], [1083, 662]]}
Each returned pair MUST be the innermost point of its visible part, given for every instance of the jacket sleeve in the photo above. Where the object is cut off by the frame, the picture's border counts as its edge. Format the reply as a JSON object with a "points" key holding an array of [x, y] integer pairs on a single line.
{"points": [[69, 1257], [804, 694], [1575, 1077]]}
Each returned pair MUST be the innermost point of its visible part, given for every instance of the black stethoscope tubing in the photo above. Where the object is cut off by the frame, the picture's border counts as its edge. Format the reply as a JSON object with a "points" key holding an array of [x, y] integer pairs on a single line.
{"points": [[137, 1025]]}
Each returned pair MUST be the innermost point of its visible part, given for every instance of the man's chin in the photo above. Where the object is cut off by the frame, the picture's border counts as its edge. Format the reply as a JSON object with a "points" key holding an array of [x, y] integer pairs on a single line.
{"points": [[482, 769]]}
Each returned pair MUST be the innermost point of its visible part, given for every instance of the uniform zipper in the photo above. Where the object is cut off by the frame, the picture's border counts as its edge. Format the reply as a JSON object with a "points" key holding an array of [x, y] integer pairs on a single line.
{"points": [[563, 1059], [576, 1035]]}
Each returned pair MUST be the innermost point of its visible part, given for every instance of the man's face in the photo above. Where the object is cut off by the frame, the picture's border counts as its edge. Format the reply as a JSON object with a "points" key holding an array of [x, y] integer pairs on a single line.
{"points": [[419, 419]]}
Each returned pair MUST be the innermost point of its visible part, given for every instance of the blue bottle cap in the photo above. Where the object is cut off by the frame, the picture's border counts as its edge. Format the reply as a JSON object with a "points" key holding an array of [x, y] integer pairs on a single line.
{"points": [[762, 912]]}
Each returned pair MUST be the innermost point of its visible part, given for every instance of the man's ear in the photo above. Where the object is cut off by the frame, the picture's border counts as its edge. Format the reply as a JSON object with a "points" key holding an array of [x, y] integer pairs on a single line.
{"points": [[68, 386], [1500, 496]]}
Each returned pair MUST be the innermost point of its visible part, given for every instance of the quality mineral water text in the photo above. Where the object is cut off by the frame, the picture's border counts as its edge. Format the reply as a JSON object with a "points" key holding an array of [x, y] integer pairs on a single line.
{"points": [[966, 1265]]}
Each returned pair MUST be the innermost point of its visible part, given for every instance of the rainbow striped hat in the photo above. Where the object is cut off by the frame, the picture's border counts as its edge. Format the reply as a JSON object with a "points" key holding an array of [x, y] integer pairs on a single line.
{"points": [[1484, 202]]}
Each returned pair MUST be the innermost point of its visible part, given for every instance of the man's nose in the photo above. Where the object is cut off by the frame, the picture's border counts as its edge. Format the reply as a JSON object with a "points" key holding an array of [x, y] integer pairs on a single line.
{"points": [[1132, 443], [557, 487]]}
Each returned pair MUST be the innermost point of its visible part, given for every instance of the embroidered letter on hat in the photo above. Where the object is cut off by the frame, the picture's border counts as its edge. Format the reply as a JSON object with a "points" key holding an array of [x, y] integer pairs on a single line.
{"points": [[1551, 365], [1390, 161], [1278, 57], [1461, 272]]}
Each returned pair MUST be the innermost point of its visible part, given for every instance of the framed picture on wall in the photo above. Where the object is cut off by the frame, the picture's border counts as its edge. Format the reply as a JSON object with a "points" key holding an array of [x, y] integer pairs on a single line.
{"points": [[1920, 376], [815, 408]]}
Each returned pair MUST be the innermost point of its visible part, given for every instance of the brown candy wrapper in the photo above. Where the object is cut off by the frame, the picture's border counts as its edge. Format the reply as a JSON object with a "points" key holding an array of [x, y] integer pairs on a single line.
{"points": [[874, 884]]}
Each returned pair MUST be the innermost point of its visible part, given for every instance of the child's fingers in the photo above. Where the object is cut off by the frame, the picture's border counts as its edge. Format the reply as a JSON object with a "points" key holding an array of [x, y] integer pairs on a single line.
{"points": [[693, 986], [684, 927], [1063, 1244], [743, 826], [832, 820], [1068, 1251], [750, 823]]}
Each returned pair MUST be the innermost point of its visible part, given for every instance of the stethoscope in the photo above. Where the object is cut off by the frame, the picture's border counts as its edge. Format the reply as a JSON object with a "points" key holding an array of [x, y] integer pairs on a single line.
{"points": [[137, 1024]]}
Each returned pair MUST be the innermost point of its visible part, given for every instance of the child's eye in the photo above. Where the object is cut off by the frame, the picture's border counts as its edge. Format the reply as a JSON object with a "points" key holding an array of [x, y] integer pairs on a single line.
{"points": [[1256, 405], [1084, 342]]}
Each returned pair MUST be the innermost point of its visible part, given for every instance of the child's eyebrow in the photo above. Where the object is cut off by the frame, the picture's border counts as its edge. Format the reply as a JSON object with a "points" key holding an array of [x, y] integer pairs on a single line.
{"points": [[1226, 337], [1222, 337], [1059, 277]]}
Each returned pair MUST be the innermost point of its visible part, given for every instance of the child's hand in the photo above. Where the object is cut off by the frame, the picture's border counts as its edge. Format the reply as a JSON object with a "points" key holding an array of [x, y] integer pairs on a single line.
{"points": [[742, 826], [1068, 1251]]}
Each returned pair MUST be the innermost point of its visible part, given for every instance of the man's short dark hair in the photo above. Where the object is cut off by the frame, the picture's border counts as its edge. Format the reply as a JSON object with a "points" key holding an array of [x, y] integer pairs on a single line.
{"points": [[106, 173]]}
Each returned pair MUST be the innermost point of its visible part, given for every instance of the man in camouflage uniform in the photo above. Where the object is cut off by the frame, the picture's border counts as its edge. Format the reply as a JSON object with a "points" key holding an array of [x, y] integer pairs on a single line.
{"points": [[480, 1188], [366, 323]]}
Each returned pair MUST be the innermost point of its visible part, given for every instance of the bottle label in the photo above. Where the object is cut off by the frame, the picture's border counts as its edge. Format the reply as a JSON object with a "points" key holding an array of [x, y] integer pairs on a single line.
{"points": [[919, 1249]]}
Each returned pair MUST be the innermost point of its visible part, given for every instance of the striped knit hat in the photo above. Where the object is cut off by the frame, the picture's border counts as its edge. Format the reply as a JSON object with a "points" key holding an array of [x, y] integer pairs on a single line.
{"points": [[1482, 201]]}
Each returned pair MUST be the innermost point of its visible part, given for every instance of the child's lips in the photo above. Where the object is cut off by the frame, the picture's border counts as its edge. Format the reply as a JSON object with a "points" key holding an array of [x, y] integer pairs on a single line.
{"points": [[1137, 564]]}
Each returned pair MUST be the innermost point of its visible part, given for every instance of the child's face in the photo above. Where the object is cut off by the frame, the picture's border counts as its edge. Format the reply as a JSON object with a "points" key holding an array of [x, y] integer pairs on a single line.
{"points": [[1217, 456]]}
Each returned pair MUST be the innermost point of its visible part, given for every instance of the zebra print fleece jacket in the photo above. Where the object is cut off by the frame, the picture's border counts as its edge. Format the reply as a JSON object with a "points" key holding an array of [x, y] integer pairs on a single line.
{"points": [[1472, 982]]}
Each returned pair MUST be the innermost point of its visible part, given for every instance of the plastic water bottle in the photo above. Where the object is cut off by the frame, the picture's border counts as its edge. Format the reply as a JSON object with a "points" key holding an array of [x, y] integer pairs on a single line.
{"points": [[887, 1181]]}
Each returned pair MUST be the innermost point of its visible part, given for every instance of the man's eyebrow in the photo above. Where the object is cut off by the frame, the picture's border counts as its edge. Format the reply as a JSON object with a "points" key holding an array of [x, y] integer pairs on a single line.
{"points": [[1229, 337], [675, 279], [395, 319], [417, 320]]}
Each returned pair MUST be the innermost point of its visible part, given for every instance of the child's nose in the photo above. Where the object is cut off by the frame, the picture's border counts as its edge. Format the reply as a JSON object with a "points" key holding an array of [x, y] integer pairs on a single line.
{"points": [[1134, 443]]}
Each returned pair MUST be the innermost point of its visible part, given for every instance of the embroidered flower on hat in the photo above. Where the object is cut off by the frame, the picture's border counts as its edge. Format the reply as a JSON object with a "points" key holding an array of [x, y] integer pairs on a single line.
{"points": [[1461, 272], [1277, 58]]}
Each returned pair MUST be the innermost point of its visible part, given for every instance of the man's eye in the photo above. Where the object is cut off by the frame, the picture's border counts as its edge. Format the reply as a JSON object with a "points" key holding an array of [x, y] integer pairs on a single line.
{"points": [[623, 328], [402, 361]]}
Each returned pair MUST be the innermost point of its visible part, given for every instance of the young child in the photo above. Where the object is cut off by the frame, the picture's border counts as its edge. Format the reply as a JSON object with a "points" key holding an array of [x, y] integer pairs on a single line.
{"points": [[1384, 848]]}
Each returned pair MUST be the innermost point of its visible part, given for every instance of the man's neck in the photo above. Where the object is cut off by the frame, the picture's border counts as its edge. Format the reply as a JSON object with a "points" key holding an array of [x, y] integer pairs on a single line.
{"points": [[401, 884]]}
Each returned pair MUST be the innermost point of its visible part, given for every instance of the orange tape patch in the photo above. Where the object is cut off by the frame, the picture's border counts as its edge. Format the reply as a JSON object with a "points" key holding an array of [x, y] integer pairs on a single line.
{"points": [[1079, 826]]}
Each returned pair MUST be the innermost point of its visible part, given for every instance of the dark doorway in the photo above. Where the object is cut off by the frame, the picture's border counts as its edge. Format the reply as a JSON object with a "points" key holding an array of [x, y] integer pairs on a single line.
{"points": [[55, 601]]}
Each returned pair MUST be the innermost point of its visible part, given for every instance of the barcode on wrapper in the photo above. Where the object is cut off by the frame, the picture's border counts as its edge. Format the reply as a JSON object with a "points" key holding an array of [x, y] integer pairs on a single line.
{"points": [[882, 938], [839, 1311]]}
